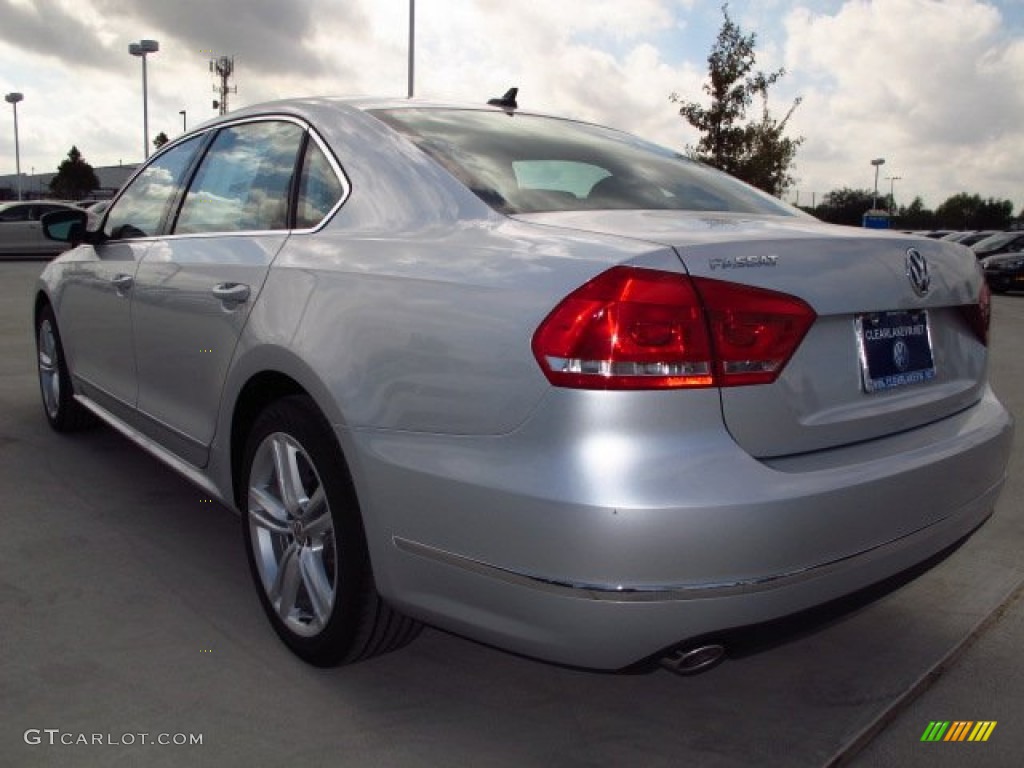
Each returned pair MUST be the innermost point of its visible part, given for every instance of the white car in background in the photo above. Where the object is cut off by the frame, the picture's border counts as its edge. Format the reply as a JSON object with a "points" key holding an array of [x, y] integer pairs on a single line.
{"points": [[21, 233]]}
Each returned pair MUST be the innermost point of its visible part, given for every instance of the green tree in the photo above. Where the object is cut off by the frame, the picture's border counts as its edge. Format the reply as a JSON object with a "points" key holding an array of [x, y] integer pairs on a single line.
{"points": [[916, 216], [160, 140], [758, 151], [75, 178], [995, 214], [845, 206], [958, 211], [964, 211]]}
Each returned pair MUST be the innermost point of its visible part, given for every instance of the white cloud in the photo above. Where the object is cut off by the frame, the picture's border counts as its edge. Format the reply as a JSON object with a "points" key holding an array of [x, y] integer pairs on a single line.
{"points": [[934, 87], [931, 86]]}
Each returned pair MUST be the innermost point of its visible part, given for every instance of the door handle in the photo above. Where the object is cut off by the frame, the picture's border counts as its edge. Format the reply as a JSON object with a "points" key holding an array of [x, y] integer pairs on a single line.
{"points": [[234, 293], [122, 282]]}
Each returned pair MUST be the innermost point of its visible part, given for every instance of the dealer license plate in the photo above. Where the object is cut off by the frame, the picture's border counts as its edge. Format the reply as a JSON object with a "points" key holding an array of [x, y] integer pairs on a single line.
{"points": [[895, 350]]}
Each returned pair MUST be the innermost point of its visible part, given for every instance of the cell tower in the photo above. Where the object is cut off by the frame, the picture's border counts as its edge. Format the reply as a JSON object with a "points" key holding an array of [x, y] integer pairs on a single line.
{"points": [[223, 67]]}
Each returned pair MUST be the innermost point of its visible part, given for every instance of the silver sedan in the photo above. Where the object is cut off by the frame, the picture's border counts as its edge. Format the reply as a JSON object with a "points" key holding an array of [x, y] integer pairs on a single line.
{"points": [[528, 379]]}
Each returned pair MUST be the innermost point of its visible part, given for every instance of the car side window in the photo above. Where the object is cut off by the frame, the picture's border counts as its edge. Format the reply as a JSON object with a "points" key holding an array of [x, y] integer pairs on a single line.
{"points": [[319, 188], [244, 180], [15, 213], [140, 209]]}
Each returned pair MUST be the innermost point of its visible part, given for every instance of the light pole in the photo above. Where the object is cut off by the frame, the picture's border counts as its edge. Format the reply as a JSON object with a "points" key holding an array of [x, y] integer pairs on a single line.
{"points": [[140, 49], [13, 99], [892, 183], [184, 125], [412, 41], [876, 162]]}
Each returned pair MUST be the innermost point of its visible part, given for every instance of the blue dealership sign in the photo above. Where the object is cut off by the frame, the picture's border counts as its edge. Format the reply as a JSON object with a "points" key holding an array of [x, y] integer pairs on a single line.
{"points": [[876, 219]]}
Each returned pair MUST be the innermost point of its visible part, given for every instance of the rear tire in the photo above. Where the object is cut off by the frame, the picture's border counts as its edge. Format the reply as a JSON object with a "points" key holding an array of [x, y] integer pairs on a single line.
{"points": [[63, 412], [305, 542]]}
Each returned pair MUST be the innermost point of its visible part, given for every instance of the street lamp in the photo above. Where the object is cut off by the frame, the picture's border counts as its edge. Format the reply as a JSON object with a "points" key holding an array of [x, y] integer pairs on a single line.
{"points": [[412, 42], [892, 183], [13, 99], [140, 49], [876, 162], [184, 126]]}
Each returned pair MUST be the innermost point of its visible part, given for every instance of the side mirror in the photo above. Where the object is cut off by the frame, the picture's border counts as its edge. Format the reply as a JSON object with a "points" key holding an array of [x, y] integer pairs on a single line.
{"points": [[65, 226]]}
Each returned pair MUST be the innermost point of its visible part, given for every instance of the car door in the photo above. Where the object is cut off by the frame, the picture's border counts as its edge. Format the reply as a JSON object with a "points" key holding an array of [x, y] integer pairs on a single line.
{"points": [[16, 226], [36, 241], [94, 307], [195, 288]]}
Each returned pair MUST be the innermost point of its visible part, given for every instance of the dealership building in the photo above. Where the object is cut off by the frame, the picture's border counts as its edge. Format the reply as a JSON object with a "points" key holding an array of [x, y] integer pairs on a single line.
{"points": [[36, 186]]}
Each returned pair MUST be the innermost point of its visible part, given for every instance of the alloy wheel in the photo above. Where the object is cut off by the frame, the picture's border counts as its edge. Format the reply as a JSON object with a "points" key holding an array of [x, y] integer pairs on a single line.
{"points": [[292, 535]]}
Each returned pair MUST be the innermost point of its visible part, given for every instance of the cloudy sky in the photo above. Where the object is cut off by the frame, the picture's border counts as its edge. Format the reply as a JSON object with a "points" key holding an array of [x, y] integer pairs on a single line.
{"points": [[936, 87]]}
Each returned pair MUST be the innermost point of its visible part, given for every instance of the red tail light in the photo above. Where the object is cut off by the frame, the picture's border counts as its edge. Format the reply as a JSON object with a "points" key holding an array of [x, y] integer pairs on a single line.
{"points": [[754, 331], [979, 316], [632, 328]]}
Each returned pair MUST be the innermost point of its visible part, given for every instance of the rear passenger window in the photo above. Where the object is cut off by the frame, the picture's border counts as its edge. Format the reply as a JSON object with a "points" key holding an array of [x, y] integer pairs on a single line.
{"points": [[319, 188], [140, 210], [243, 181], [16, 213]]}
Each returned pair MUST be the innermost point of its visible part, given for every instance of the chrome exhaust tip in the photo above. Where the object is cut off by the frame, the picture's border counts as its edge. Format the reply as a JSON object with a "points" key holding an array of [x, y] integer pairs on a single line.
{"points": [[692, 660]]}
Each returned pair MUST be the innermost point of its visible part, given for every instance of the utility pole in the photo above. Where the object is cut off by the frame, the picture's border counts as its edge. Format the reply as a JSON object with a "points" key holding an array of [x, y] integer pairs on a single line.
{"points": [[412, 45], [876, 162], [142, 49], [13, 99], [892, 189]]}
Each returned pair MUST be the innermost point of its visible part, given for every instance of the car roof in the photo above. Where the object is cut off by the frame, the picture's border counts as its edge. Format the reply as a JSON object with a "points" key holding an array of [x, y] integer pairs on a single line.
{"points": [[11, 203], [310, 107]]}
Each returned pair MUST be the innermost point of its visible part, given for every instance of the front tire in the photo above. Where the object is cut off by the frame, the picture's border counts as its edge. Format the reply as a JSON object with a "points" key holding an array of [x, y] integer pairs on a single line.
{"points": [[63, 412], [306, 545]]}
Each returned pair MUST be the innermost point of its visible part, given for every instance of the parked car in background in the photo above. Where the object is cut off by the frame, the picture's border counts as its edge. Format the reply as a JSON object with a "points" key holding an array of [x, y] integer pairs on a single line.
{"points": [[532, 380], [955, 237], [970, 237], [1004, 272], [1001, 242], [21, 233]]}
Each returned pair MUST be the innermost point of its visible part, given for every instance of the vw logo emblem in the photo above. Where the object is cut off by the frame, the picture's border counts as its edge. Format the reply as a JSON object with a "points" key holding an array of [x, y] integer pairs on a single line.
{"points": [[901, 355], [917, 271]]}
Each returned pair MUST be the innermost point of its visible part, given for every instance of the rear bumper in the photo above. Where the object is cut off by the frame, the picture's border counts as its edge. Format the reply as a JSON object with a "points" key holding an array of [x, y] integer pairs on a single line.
{"points": [[596, 537]]}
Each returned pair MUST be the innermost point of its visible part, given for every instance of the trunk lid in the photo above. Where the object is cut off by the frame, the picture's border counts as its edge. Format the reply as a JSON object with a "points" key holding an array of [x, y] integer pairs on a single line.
{"points": [[863, 369]]}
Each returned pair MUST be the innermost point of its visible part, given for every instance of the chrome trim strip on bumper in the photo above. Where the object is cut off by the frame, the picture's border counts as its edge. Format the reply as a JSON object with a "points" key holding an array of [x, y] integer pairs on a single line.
{"points": [[953, 528]]}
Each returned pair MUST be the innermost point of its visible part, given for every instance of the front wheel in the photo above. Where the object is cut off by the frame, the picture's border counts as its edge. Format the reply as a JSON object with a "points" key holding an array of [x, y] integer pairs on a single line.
{"points": [[63, 412], [306, 545]]}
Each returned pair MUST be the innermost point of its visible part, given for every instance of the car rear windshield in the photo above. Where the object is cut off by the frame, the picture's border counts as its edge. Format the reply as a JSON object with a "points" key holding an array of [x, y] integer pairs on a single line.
{"points": [[520, 163]]}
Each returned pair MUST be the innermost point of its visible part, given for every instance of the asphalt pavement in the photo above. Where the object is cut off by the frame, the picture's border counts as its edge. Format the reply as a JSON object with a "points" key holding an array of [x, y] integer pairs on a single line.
{"points": [[129, 620]]}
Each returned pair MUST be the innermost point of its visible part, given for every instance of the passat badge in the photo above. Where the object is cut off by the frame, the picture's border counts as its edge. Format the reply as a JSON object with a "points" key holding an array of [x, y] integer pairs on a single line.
{"points": [[917, 271], [739, 262]]}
